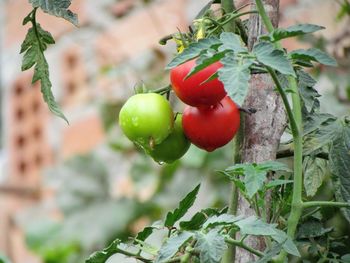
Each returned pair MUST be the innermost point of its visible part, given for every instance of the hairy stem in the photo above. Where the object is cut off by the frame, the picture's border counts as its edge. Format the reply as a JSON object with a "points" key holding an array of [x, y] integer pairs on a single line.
{"points": [[244, 246], [228, 6]]}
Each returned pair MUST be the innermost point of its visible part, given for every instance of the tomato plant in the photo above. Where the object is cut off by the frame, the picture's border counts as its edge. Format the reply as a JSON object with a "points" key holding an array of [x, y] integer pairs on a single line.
{"points": [[290, 215], [174, 146], [146, 119], [197, 90], [213, 126]]}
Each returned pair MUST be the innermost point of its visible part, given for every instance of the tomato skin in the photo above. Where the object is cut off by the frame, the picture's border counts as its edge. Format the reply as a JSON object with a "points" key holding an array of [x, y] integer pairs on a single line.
{"points": [[211, 127], [146, 119], [173, 147], [193, 91]]}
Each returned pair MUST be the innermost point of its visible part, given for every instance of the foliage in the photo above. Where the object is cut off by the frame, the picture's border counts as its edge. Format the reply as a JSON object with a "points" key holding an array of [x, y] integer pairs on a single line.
{"points": [[37, 41]]}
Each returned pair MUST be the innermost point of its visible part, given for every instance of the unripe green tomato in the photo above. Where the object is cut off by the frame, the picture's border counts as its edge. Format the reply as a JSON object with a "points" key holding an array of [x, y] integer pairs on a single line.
{"points": [[173, 147], [339, 224], [146, 119]]}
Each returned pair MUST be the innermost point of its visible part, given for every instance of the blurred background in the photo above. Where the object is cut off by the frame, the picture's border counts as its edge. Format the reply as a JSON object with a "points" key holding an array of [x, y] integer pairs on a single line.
{"points": [[68, 190]]}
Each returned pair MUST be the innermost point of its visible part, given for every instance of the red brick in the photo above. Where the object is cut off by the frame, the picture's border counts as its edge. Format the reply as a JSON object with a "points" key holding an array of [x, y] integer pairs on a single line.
{"points": [[82, 136], [141, 31], [16, 10]]}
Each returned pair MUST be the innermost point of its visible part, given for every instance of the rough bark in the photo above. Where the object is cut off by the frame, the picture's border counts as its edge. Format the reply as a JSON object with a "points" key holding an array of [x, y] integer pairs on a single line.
{"points": [[262, 130]]}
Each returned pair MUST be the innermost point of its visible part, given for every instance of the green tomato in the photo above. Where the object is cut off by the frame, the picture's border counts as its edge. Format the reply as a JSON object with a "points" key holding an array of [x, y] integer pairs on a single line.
{"points": [[146, 119], [173, 147], [339, 224]]}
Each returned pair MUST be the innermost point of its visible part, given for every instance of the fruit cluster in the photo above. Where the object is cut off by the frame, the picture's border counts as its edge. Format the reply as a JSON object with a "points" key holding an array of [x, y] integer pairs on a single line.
{"points": [[209, 121]]}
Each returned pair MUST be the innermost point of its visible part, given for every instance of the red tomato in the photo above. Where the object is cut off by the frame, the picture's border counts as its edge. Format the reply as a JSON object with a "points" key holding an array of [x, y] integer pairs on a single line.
{"points": [[211, 127], [193, 91]]}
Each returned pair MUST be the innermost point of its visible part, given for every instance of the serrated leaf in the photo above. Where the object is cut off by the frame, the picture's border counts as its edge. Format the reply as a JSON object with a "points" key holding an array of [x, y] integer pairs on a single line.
{"points": [[292, 31], [314, 174], [235, 76], [339, 161], [323, 136], [232, 42], [199, 218], [268, 55], [185, 204], [255, 226], [204, 61], [57, 8], [253, 180], [287, 243], [172, 245], [193, 51], [224, 219], [102, 256], [211, 246], [272, 166], [312, 229], [316, 120], [270, 254], [144, 234], [313, 54], [33, 47], [278, 182]]}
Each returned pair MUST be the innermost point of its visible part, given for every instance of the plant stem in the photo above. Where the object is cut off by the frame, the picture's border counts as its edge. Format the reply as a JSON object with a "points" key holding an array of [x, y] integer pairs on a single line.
{"points": [[325, 203], [133, 255], [228, 6], [244, 246], [295, 119]]}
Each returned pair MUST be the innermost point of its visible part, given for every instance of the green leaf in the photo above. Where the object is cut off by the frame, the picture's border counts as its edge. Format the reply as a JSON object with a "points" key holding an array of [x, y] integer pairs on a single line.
{"points": [[199, 218], [255, 174], [308, 94], [274, 183], [339, 161], [312, 229], [235, 76], [316, 120], [195, 222], [33, 47], [253, 180], [313, 54], [185, 204], [272, 166], [224, 219], [204, 61], [211, 246], [270, 254], [57, 8], [102, 256], [292, 31], [323, 136], [314, 174], [193, 51], [268, 55], [254, 226], [232, 42], [144, 234], [172, 245]]}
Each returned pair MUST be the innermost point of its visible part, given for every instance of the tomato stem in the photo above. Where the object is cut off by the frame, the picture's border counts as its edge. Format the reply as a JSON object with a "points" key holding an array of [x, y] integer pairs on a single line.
{"points": [[295, 119]]}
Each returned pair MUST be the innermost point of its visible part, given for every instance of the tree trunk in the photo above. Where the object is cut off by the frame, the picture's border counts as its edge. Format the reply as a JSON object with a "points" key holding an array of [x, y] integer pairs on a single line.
{"points": [[262, 130]]}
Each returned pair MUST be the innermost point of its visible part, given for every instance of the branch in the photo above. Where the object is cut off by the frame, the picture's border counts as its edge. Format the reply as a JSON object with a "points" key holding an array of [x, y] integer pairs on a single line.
{"points": [[289, 153], [325, 203], [244, 246]]}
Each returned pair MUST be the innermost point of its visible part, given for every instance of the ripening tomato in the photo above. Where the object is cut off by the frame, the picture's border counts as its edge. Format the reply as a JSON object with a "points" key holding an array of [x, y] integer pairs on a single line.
{"points": [[195, 91], [146, 119], [211, 127], [173, 147]]}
